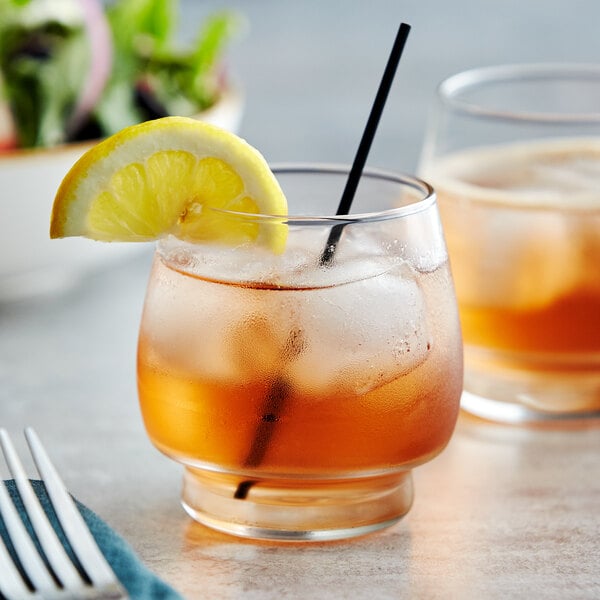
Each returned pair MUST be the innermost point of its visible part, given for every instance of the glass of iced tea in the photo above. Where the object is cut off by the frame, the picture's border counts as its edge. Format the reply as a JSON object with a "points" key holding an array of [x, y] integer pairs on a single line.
{"points": [[300, 389], [514, 155]]}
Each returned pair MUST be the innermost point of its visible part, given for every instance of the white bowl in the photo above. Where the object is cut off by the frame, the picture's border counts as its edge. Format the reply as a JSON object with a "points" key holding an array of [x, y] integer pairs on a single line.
{"points": [[30, 262]]}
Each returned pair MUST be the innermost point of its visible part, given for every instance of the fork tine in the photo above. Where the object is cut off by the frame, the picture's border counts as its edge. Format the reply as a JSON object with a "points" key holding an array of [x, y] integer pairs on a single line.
{"points": [[53, 549], [73, 524], [11, 584]]}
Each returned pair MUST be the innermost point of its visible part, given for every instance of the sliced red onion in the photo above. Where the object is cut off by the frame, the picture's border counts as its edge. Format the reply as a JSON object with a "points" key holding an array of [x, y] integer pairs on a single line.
{"points": [[8, 130], [8, 134], [101, 55]]}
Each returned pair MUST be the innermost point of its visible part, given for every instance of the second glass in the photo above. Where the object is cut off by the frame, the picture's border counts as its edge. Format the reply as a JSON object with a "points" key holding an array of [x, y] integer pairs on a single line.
{"points": [[514, 155], [299, 389]]}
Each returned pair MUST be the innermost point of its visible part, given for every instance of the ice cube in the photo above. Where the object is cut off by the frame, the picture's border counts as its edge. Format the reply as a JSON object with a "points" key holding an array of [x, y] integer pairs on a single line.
{"points": [[347, 338], [520, 259], [359, 336], [512, 233], [190, 321]]}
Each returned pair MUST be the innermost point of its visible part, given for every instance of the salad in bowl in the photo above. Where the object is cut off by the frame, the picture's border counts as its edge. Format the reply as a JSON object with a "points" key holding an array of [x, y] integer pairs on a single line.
{"points": [[73, 72]]}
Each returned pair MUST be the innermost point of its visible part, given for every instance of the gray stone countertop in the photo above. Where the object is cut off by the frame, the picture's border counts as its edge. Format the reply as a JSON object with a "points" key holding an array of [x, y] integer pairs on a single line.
{"points": [[503, 512]]}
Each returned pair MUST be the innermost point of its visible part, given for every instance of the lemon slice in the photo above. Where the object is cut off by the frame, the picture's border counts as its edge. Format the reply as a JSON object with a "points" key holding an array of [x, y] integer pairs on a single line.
{"points": [[168, 176]]}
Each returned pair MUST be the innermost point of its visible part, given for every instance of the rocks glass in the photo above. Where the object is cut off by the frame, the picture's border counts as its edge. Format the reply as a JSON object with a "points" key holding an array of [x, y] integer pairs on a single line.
{"points": [[514, 155], [299, 389]]}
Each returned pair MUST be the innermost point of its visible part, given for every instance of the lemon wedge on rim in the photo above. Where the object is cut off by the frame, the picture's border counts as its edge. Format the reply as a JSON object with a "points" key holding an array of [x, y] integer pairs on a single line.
{"points": [[173, 175]]}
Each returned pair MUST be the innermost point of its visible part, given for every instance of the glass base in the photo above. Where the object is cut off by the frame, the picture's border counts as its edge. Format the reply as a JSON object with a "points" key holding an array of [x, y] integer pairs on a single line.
{"points": [[509, 392], [296, 509], [514, 413]]}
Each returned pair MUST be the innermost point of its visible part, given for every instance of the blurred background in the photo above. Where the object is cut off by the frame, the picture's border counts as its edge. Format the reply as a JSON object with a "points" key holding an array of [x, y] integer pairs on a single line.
{"points": [[310, 68], [307, 70]]}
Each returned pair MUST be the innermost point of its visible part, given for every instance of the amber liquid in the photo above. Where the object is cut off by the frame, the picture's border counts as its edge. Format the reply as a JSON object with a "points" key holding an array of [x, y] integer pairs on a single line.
{"points": [[212, 421], [571, 324]]}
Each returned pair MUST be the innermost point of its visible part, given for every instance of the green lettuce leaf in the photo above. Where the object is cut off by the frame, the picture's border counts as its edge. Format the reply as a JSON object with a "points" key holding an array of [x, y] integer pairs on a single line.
{"points": [[43, 66], [45, 57], [153, 76]]}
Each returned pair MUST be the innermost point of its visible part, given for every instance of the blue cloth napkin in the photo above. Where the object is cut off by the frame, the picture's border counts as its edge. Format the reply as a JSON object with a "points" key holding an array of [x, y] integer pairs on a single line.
{"points": [[140, 582]]}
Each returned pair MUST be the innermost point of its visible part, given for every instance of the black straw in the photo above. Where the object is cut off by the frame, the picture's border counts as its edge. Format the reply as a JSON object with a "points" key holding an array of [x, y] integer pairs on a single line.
{"points": [[275, 400], [365, 143]]}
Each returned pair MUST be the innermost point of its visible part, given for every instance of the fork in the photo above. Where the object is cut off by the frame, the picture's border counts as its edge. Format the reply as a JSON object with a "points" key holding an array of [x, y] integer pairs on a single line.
{"points": [[48, 574]]}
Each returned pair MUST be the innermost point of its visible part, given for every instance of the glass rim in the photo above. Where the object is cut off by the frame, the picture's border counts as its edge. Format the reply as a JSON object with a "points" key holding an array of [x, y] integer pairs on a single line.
{"points": [[449, 89], [405, 180]]}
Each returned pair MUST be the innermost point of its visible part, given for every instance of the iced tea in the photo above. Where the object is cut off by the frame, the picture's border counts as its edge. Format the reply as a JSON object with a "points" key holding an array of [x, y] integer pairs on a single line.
{"points": [[522, 223], [211, 353]]}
